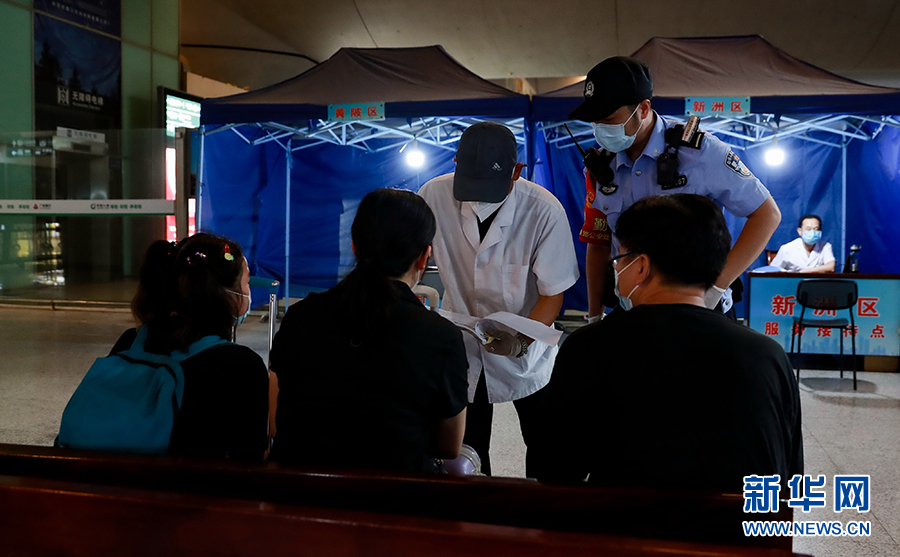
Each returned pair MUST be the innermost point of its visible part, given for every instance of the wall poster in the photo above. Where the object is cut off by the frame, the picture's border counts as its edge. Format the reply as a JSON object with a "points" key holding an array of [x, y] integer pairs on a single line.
{"points": [[77, 77], [102, 15]]}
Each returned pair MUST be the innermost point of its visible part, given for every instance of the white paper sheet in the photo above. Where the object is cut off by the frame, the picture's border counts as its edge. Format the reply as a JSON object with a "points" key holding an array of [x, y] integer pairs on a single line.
{"points": [[504, 320]]}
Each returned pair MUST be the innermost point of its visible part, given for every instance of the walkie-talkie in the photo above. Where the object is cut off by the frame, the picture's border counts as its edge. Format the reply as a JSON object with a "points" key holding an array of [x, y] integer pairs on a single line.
{"points": [[597, 163]]}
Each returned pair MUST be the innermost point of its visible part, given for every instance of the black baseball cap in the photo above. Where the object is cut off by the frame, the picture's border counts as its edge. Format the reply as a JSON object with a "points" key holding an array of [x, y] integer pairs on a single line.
{"points": [[612, 84], [485, 161]]}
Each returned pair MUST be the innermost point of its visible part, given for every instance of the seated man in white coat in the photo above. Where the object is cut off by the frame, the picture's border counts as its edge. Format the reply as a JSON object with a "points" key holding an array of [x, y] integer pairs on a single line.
{"points": [[502, 244], [808, 253]]}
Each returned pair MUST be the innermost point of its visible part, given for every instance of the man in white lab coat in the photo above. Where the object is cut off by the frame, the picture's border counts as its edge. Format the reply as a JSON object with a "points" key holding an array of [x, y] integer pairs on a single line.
{"points": [[808, 253], [502, 244]]}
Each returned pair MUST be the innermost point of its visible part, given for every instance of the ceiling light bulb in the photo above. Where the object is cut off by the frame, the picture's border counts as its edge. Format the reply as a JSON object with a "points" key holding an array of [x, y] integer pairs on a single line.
{"points": [[414, 157], [774, 156]]}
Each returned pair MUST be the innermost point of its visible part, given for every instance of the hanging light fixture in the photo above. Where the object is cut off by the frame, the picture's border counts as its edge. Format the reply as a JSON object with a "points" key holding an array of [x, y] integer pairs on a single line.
{"points": [[414, 157], [774, 154]]}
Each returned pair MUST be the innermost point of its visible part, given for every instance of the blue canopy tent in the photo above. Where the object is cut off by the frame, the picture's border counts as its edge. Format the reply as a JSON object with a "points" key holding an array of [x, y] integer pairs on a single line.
{"points": [[842, 146], [282, 174]]}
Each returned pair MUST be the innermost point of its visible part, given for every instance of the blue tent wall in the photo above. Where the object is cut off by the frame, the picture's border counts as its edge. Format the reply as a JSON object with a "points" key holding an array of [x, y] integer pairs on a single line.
{"points": [[873, 201], [560, 171], [245, 196], [809, 181], [234, 174]]}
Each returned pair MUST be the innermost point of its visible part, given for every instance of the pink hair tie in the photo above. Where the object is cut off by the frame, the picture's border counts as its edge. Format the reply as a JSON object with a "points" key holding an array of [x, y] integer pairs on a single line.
{"points": [[190, 258]]}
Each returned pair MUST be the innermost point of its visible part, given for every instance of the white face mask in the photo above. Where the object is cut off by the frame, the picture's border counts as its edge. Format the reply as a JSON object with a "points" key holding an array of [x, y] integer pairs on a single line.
{"points": [[484, 210], [612, 137], [624, 301], [240, 318]]}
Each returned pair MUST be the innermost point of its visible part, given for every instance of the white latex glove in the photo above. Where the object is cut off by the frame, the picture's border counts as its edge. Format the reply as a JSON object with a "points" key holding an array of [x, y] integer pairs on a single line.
{"points": [[713, 296], [504, 344]]}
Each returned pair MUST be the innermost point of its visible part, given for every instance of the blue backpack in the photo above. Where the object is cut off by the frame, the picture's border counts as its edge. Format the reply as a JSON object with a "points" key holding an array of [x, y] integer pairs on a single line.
{"points": [[129, 401]]}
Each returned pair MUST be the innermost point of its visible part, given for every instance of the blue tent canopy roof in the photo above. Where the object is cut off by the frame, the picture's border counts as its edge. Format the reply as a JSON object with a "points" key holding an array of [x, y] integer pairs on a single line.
{"points": [[421, 81], [745, 66]]}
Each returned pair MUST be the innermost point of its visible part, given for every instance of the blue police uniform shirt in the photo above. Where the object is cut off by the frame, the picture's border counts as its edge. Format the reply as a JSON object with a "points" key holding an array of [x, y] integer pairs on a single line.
{"points": [[713, 171]]}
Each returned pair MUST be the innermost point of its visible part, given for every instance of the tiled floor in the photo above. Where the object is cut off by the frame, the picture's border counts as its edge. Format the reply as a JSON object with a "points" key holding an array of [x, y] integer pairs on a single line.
{"points": [[113, 291], [44, 354], [846, 432]]}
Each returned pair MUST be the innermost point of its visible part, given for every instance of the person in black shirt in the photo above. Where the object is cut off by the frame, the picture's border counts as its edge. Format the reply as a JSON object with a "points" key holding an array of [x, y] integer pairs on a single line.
{"points": [[669, 393], [368, 377], [186, 292]]}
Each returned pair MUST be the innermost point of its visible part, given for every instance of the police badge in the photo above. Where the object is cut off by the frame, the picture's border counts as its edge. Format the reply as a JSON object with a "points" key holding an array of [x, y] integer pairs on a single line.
{"points": [[737, 165], [608, 189]]}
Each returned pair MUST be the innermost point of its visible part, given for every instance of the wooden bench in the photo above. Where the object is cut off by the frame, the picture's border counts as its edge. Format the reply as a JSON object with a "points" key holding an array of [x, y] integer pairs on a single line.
{"points": [[642, 513], [59, 518]]}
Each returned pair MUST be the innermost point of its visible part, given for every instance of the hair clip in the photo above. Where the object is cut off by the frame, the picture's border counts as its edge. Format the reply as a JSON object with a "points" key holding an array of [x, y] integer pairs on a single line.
{"points": [[197, 254], [228, 256]]}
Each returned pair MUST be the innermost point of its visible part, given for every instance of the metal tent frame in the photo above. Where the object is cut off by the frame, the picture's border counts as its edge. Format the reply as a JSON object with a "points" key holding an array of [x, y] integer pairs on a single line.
{"points": [[755, 131], [440, 132]]}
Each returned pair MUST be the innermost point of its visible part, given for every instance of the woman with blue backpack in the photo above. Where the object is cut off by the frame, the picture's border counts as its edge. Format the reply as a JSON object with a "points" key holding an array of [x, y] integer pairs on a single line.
{"points": [[176, 384]]}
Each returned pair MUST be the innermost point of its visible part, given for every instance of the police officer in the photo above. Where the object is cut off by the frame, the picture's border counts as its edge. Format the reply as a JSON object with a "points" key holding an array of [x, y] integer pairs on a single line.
{"points": [[617, 95]]}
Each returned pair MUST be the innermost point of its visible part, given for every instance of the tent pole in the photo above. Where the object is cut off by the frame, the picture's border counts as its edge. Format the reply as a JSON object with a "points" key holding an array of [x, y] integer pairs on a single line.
{"points": [[287, 225], [843, 202], [530, 157], [201, 178]]}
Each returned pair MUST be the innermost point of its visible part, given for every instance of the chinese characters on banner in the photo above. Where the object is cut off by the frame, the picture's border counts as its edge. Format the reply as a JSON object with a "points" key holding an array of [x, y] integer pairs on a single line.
{"points": [[716, 106], [355, 112], [876, 315]]}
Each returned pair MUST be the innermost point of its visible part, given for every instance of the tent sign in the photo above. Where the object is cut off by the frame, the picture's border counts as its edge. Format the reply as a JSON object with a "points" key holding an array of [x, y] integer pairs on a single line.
{"points": [[355, 112], [716, 106]]}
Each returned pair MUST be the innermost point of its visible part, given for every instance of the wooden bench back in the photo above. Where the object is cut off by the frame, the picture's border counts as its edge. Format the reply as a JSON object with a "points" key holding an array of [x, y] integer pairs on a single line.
{"points": [[59, 518], [672, 515]]}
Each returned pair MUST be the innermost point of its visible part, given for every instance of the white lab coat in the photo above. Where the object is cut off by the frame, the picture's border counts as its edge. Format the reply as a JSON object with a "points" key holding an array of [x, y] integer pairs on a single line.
{"points": [[527, 252], [792, 256]]}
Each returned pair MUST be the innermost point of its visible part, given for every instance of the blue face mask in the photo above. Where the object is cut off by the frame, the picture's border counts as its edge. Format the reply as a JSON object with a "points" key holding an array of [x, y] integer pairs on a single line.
{"points": [[624, 301], [612, 137], [812, 236], [240, 319]]}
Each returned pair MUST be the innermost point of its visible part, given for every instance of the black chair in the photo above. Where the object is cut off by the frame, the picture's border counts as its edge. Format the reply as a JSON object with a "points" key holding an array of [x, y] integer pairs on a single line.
{"points": [[826, 294]]}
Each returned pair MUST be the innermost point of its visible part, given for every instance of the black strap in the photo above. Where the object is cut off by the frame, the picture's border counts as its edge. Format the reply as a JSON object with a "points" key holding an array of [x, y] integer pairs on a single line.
{"points": [[667, 174]]}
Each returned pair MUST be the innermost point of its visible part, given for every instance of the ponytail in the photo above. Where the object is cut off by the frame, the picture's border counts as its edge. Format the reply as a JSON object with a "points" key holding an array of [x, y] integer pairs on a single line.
{"points": [[154, 292], [391, 230], [204, 268], [368, 297]]}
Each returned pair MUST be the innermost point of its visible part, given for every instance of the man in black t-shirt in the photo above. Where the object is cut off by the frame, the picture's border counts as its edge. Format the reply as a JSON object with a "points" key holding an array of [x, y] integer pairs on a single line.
{"points": [[681, 396]]}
